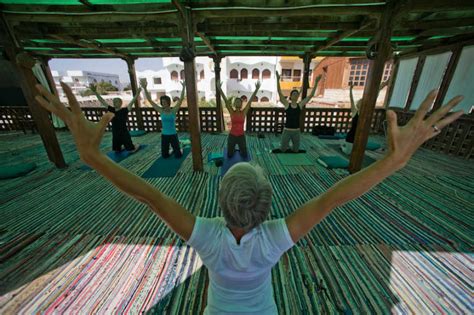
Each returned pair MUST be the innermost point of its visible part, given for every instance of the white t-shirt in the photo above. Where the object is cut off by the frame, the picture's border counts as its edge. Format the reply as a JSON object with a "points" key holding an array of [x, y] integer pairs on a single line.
{"points": [[240, 275]]}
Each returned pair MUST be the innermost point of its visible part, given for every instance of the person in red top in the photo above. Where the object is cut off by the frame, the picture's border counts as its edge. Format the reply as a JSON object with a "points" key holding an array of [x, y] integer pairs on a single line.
{"points": [[237, 117]]}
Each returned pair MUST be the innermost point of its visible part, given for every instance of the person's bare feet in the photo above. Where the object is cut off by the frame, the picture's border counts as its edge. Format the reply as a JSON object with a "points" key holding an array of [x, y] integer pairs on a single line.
{"points": [[137, 147]]}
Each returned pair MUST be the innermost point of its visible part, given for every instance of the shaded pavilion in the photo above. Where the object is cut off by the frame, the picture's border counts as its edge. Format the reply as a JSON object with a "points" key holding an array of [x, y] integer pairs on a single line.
{"points": [[105, 29]]}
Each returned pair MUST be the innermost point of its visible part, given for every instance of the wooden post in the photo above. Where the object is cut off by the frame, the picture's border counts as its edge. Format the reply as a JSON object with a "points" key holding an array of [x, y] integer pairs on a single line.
{"points": [[372, 86], [217, 73], [414, 82], [306, 62], [133, 83], [187, 29], [448, 75], [40, 115]]}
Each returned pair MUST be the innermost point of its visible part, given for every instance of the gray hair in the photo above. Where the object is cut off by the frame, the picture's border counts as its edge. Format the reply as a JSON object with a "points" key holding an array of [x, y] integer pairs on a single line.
{"points": [[245, 196]]}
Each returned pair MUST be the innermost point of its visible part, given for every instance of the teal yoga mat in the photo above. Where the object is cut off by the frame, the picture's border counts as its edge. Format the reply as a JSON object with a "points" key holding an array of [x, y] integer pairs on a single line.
{"points": [[166, 167]]}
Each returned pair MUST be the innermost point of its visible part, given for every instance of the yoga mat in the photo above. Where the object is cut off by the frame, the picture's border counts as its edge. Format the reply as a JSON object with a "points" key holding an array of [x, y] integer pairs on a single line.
{"points": [[236, 158], [336, 136], [367, 159], [137, 133], [333, 161], [166, 167], [289, 151], [294, 159], [117, 157]]}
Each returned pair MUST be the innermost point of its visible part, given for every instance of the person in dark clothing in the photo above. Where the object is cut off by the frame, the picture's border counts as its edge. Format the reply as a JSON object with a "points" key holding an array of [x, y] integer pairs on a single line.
{"points": [[120, 135], [346, 147], [293, 110]]}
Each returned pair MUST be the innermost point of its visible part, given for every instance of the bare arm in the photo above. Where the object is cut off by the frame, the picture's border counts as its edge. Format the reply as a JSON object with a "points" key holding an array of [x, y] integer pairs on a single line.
{"points": [[249, 103], [402, 143], [181, 98], [226, 100], [311, 95], [88, 135], [134, 99], [101, 100], [351, 96], [283, 99], [158, 108]]}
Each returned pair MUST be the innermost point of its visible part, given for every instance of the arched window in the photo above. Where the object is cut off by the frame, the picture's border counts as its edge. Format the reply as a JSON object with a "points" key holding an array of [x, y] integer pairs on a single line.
{"points": [[174, 76], [255, 74], [234, 74], [243, 98], [175, 99], [243, 74], [203, 99], [264, 99], [266, 74], [181, 74], [201, 75], [255, 99]]}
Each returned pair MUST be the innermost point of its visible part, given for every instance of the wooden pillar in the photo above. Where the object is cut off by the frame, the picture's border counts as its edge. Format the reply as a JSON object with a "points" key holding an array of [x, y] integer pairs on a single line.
{"points": [[371, 91], [306, 63], [414, 82], [448, 75], [217, 73], [133, 83], [40, 115]]}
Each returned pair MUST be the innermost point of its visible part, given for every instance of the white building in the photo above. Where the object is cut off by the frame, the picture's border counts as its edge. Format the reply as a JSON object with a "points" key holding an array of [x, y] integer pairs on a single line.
{"points": [[80, 80]]}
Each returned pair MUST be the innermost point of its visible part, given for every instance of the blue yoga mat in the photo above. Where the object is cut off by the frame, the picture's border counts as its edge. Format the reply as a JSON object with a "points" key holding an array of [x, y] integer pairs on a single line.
{"points": [[166, 167], [236, 158], [117, 157]]}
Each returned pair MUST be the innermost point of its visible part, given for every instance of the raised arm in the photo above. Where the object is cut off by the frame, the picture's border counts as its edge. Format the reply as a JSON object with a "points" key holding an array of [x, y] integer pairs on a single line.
{"points": [[88, 135], [226, 100], [351, 96], [247, 107], [283, 99], [134, 99], [181, 98], [143, 84], [102, 102], [311, 95], [402, 143]]}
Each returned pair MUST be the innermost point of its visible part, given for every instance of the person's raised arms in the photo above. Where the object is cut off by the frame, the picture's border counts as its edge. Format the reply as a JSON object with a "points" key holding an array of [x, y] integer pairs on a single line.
{"points": [[283, 99], [226, 100], [143, 84], [311, 95], [102, 102], [176, 107], [249, 103], [134, 99], [88, 135], [402, 142]]}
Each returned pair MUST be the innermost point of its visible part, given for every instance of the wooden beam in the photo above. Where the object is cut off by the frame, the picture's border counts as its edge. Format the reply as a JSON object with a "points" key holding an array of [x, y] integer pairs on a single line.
{"points": [[207, 42], [217, 73], [414, 82], [187, 28], [448, 76], [133, 83], [71, 40], [371, 90], [87, 4]]}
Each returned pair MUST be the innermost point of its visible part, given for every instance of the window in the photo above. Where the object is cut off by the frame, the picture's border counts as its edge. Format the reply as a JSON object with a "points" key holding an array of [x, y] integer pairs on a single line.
{"points": [[174, 76], [296, 75], [234, 74], [266, 74], [175, 99], [181, 74], [357, 75], [243, 98], [203, 99], [255, 99], [264, 99], [156, 80], [201, 75], [255, 74], [286, 74], [116, 82], [243, 74]]}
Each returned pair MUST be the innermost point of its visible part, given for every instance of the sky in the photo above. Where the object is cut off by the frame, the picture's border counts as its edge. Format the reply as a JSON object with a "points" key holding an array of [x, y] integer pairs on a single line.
{"points": [[115, 66]]}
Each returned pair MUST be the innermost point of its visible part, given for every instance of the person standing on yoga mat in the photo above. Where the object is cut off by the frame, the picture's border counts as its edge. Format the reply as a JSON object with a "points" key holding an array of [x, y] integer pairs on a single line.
{"points": [[168, 121], [293, 112], [237, 118], [240, 248], [120, 135], [346, 147]]}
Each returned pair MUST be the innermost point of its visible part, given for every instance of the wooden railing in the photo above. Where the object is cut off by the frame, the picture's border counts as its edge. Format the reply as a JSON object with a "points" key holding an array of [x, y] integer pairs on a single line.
{"points": [[457, 139]]}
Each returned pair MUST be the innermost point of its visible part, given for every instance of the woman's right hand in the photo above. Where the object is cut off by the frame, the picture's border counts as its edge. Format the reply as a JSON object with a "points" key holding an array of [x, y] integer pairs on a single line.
{"points": [[87, 134]]}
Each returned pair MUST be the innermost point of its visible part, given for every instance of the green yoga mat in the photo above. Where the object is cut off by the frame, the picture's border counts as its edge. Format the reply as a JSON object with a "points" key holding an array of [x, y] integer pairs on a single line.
{"points": [[294, 159], [337, 147]]}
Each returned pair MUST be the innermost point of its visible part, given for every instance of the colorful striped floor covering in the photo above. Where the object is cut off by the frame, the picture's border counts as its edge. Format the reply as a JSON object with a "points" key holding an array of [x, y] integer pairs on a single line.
{"points": [[71, 243]]}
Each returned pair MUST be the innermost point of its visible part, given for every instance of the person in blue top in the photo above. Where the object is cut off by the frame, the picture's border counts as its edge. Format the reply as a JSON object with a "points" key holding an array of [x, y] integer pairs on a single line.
{"points": [[168, 121], [240, 248]]}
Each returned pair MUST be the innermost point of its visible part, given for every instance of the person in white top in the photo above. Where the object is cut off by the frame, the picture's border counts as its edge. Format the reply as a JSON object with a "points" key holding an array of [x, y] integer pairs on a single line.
{"points": [[240, 249]]}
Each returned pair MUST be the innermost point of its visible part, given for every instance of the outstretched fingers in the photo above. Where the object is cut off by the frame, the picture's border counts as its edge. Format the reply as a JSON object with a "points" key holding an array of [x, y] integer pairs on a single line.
{"points": [[76, 109], [441, 112], [51, 103], [449, 119], [425, 106], [104, 121]]}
